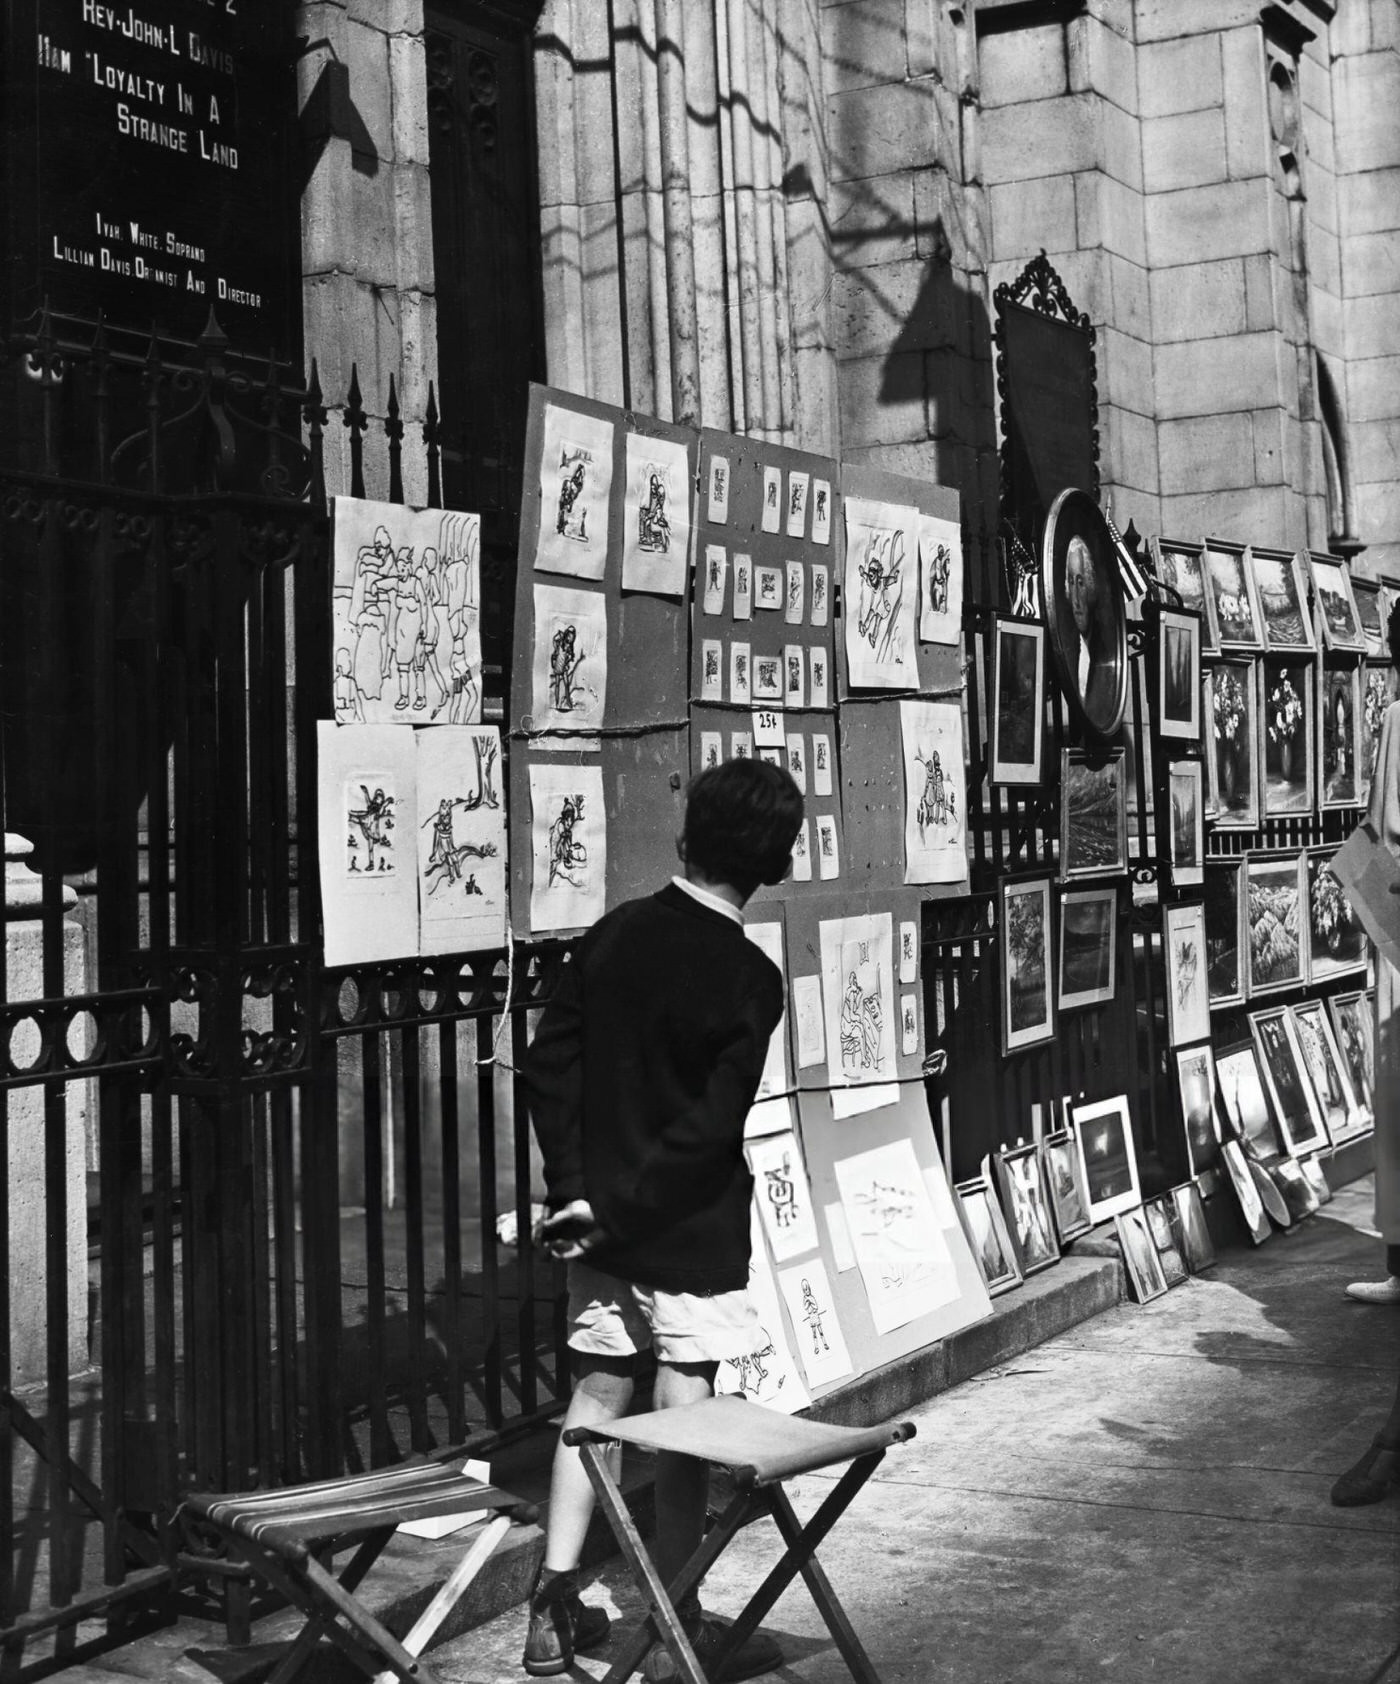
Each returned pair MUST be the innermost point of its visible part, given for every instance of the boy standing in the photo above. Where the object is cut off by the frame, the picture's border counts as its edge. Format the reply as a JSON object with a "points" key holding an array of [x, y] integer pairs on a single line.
{"points": [[640, 1076]]}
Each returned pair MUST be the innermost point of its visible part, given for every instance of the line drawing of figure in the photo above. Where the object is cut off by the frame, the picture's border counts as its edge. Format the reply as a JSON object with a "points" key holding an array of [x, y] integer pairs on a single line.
{"points": [[794, 675], [881, 592], [772, 498], [567, 854], [768, 585], [717, 481], [813, 1315], [751, 1367], [564, 661], [712, 666], [796, 495], [741, 671], [795, 760], [347, 692], [821, 754], [818, 671], [447, 853], [938, 579], [782, 1192], [459, 541], [567, 525], [819, 514], [794, 590], [368, 617], [408, 615], [861, 1022], [741, 580], [938, 799], [432, 593], [653, 529], [818, 590], [1187, 961], [374, 821], [715, 575]]}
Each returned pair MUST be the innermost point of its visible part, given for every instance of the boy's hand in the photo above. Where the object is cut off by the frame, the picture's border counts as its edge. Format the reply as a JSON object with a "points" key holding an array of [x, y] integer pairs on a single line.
{"points": [[570, 1232]]}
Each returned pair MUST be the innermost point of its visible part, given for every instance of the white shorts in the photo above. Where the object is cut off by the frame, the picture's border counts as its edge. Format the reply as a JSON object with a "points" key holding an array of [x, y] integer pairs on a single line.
{"points": [[609, 1317]]}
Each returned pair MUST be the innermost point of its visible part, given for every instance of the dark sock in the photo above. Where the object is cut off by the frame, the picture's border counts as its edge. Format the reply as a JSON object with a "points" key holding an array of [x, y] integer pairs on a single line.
{"points": [[1392, 1260], [553, 1587]]}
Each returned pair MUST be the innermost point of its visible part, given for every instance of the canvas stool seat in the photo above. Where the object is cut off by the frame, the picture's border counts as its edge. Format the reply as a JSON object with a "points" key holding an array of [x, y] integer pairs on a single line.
{"points": [[282, 1535], [760, 1448]]}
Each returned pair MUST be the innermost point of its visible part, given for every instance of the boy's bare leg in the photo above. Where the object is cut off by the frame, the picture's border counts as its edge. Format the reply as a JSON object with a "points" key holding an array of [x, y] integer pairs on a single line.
{"points": [[682, 1482], [602, 1393]]}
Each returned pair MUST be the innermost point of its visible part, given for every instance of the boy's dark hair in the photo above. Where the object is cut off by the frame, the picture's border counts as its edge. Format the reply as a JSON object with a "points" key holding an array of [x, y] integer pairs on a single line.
{"points": [[741, 820]]}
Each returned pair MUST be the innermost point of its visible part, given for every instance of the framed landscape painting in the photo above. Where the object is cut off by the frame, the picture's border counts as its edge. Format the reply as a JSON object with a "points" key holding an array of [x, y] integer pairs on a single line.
{"points": [[1179, 675], [1181, 568], [1276, 938], [1027, 1004], [1336, 606], [1093, 813], [1088, 946], [1287, 716], [1195, 1235], [1366, 593], [1282, 597]]}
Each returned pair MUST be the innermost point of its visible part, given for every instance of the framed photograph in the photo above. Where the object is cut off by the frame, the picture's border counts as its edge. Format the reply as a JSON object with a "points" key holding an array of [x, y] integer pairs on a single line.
{"points": [[1088, 946], [1294, 1188], [1064, 1181], [1338, 736], [1317, 1179], [1366, 594], [1179, 675], [1144, 1267], [1336, 939], [1093, 813], [1195, 1092], [1231, 740], [1286, 710], [1282, 597], [1027, 1006], [1184, 944], [1322, 1060], [1223, 890], [1166, 1237], [1104, 1131], [1027, 1208], [1085, 613], [1290, 1091], [1337, 618], [1276, 951], [1251, 1207], [1018, 702], [1242, 1090], [1187, 793], [1231, 595], [986, 1233], [1377, 693], [1181, 568], [1353, 1024], [1196, 1243]]}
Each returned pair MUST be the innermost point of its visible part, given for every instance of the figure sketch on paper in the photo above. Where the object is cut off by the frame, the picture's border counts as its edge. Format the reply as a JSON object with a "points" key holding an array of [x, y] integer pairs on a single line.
{"points": [[753, 1376], [938, 799], [716, 583], [568, 855], [719, 482], [653, 528], [574, 464], [711, 679], [794, 591], [772, 496], [347, 692], [814, 1316], [938, 579], [794, 674], [371, 825], [881, 592], [1187, 963], [819, 507], [862, 1019], [565, 658], [780, 1189], [882, 1209], [460, 543], [447, 853], [818, 593]]}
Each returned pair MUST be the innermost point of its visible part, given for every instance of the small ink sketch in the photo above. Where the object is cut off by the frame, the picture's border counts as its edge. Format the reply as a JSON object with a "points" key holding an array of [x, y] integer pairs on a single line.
{"points": [[768, 587], [794, 591], [565, 658], [780, 1189], [939, 572], [772, 495], [820, 506], [828, 837], [741, 670], [575, 464], [818, 590], [653, 528], [718, 480], [862, 1018], [716, 575], [445, 860], [794, 673], [767, 679], [712, 664], [821, 754], [795, 760], [906, 947], [881, 592], [938, 802], [369, 841], [752, 1375], [813, 1315], [568, 853]]}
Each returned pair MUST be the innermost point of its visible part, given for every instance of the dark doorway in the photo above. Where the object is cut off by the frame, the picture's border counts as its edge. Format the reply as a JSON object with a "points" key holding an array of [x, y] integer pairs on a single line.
{"points": [[486, 254]]}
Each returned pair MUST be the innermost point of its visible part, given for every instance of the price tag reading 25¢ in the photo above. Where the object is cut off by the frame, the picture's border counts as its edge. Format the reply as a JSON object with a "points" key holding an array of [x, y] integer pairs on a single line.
{"points": [[768, 728]]}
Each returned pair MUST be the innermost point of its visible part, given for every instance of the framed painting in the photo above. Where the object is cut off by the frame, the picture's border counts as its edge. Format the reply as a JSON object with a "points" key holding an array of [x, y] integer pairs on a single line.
{"points": [[1290, 1091], [1276, 950], [1018, 702], [1104, 1130], [1188, 1005], [986, 1232], [1246, 1191], [1338, 736], [1377, 693], [1027, 1208], [1336, 940], [1337, 618], [1286, 711], [1233, 744], [1187, 792], [1246, 1104], [1232, 596], [1093, 813], [1180, 567], [1322, 1060], [1195, 1234], [1223, 893], [1088, 946], [1195, 1092], [1085, 612], [1166, 1237], [1354, 1025], [1143, 1265], [1280, 591], [1366, 593], [1064, 1182], [1027, 1004], [1179, 675]]}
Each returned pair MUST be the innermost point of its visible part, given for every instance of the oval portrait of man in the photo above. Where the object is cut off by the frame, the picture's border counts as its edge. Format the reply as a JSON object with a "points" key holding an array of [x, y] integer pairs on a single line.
{"points": [[1083, 595]]}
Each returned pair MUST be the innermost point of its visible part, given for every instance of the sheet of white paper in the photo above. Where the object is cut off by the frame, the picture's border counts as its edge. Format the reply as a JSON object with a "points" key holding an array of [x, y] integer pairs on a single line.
{"points": [[908, 951], [768, 938], [821, 765], [935, 795], [904, 1259], [656, 516], [797, 503], [772, 519], [908, 1024], [405, 614], [783, 1197], [711, 670], [881, 588], [770, 1116], [367, 817], [794, 592], [462, 875], [842, 1252], [717, 503], [768, 728], [743, 587], [575, 485], [828, 847], [767, 678], [802, 853], [940, 580], [858, 997], [569, 847], [711, 749], [821, 512], [821, 1348], [807, 1010], [855, 1102], [716, 569], [569, 674], [794, 676], [768, 588], [770, 1376], [821, 593], [797, 761], [817, 667]]}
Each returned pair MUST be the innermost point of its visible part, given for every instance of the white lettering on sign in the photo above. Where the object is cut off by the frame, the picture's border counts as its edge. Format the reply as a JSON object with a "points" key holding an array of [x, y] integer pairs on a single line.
{"points": [[54, 58], [125, 81]]}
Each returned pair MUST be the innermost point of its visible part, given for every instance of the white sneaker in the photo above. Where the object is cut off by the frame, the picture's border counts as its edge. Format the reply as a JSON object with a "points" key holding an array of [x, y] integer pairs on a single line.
{"points": [[1376, 1292]]}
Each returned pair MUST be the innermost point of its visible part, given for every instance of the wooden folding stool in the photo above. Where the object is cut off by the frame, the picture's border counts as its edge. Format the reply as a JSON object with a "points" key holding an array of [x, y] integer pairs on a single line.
{"points": [[760, 1448], [283, 1536]]}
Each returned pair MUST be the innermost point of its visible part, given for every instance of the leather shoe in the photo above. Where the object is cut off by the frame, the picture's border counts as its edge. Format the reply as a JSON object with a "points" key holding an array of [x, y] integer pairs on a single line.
{"points": [[1376, 1292], [1371, 1478], [560, 1625], [708, 1636]]}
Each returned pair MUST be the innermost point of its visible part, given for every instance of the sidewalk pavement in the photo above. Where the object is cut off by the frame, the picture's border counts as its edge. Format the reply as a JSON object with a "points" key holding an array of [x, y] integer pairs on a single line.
{"points": [[1144, 1496]]}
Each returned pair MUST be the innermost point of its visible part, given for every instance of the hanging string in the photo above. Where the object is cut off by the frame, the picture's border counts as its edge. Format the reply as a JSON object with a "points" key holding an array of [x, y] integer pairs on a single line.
{"points": [[494, 1056]]}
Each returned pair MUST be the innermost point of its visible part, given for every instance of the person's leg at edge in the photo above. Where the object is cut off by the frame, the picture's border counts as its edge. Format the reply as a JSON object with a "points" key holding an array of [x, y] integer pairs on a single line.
{"points": [[1378, 1471], [682, 1482]]}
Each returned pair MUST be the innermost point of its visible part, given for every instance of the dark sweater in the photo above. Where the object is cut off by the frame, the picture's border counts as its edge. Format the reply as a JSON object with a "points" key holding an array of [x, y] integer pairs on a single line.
{"points": [[639, 1078]]}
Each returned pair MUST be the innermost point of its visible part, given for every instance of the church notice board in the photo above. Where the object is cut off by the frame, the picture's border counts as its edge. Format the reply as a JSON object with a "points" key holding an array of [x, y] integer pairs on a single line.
{"points": [[598, 720]]}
